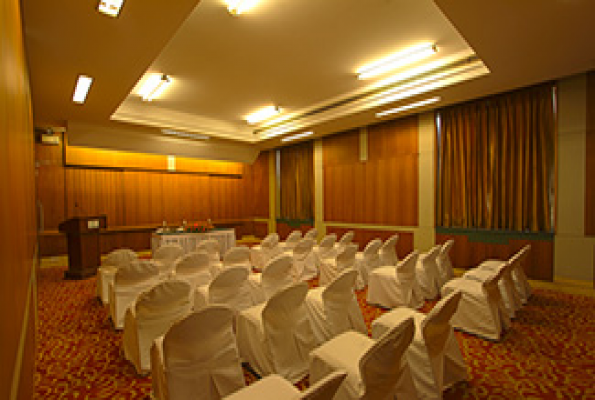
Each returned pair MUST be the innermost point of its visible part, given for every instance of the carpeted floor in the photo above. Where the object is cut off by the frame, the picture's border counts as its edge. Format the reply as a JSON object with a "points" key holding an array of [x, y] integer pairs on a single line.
{"points": [[549, 353]]}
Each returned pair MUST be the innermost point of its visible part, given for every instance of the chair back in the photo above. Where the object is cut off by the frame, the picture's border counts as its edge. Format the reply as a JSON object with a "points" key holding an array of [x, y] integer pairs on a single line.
{"points": [[380, 366], [136, 272], [276, 275], [211, 247], [406, 269], [346, 258], [120, 257], [200, 352], [270, 241], [436, 328], [230, 287], [337, 297], [237, 256], [388, 251], [311, 234], [163, 304], [327, 243], [303, 248], [292, 239], [167, 254], [371, 249], [346, 239], [325, 388], [194, 267]]}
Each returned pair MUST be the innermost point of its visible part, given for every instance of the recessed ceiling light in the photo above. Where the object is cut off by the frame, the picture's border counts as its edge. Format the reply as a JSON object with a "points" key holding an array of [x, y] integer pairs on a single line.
{"points": [[110, 7], [83, 84], [262, 114], [397, 60], [154, 85], [237, 7], [407, 107], [188, 135], [297, 136]]}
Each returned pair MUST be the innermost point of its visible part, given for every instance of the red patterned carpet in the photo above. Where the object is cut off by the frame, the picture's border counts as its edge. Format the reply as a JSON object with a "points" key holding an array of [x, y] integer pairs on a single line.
{"points": [[548, 354]]}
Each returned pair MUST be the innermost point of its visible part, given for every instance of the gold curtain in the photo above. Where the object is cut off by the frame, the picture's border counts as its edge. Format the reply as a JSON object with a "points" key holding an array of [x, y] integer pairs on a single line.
{"points": [[495, 164], [297, 181]]}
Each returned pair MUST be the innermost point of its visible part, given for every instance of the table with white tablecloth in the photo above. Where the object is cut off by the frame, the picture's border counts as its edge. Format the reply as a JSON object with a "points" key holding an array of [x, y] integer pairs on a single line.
{"points": [[189, 240]]}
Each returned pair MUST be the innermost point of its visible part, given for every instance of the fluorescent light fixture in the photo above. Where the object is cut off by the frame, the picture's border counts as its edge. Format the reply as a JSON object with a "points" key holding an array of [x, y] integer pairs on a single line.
{"points": [[237, 7], [407, 107], [297, 136], [83, 84], [196, 136], [110, 7], [397, 60], [154, 86], [262, 114]]}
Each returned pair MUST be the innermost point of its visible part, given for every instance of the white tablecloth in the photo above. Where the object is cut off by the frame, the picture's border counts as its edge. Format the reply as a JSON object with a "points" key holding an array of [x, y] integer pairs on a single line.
{"points": [[188, 241]]}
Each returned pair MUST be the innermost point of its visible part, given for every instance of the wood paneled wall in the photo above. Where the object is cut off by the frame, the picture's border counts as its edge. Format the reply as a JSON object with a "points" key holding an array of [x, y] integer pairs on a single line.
{"points": [[363, 236], [17, 212], [137, 193], [590, 153], [382, 190], [467, 253]]}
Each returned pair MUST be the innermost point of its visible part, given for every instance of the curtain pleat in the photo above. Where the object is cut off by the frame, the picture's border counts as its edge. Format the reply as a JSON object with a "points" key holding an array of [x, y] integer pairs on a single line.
{"points": [[297, 182], [496, 162]]}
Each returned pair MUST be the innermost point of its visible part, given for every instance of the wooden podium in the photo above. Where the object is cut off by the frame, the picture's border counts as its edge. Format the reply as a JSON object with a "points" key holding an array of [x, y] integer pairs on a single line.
{"points": [[84, 251]]}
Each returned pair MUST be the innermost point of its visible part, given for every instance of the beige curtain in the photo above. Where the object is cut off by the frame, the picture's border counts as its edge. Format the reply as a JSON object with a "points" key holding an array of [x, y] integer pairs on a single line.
{"points": [[297, 182], [495, 164]]}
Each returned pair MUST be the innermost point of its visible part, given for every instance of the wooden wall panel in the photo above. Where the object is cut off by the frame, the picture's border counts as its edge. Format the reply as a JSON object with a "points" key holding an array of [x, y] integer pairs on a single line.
{"points": [[590, 153], [382, 190], [50, 186], [143, 196], [210, 166], [284, 229], [255, 195], [363, 236], [466, 253], [112, 158]]}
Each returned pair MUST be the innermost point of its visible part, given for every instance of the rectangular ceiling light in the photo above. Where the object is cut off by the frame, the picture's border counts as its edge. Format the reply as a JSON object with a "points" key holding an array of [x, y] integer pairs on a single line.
{"points": [[110, 7], [262, 114], [237, 7], [297, 136], [196, 136], [83, 84], [397, 60], [407, 107], [154, 86]]}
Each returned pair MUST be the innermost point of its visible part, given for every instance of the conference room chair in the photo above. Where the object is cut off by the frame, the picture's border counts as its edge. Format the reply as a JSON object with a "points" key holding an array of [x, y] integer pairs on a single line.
{"points": [[334, 309], [426, 271], [150, 316], [106, 272], [197, 357], [312, 234], [194, 267], [388, 251], [434, 355], [392, 287], [344, 260], [481, 310], [275, 387], [212, 248], [276, 337], [229, 287], [275, 276], [369, 259], [326, 248], [238, 256], [266, 250], [165, 256], [444, 263], [376, 369], [130, 280], [292, 239], [304, 260], [345, 240]]}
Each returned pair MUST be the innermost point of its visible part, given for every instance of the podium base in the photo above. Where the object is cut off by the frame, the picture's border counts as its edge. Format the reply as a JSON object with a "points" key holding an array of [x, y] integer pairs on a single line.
{"points": [[80, 273]]}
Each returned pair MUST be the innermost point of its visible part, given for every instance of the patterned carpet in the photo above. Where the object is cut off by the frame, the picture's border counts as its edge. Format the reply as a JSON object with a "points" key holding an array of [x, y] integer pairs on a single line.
{"points": [[549, 353]]}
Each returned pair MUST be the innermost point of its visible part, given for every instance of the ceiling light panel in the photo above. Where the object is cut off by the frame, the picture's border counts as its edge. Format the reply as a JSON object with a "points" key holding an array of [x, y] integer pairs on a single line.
{"points": [[416, 104], [110, 7], [154, 86], [237, 7], [397, 60], [262, 115], [297, 136], [83, 84]]}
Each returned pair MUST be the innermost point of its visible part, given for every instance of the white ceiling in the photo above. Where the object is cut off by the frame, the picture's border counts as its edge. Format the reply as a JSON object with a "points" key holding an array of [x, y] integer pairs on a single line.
{"points": [[298, 54]]}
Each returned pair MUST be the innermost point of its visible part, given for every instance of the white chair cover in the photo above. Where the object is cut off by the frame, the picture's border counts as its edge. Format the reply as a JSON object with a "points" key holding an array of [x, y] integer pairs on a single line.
{"points": [[396, 286], [237, 257], [445, 269], [519, 276], [108, 268], [194, 267], [434, 355], [267, 250], [212, 248], [275, 276], [150, 316], [369, 259], [129, 282], [292, 239], [197, 358], [326, 248], [481, 310], [311, 234], [276, 337], [274, 387], [345, 241], [304, 261], [426, 271], [334, 309], [376, 369], [166, 255], [230, 287], [388, 251], [344, 260]]}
